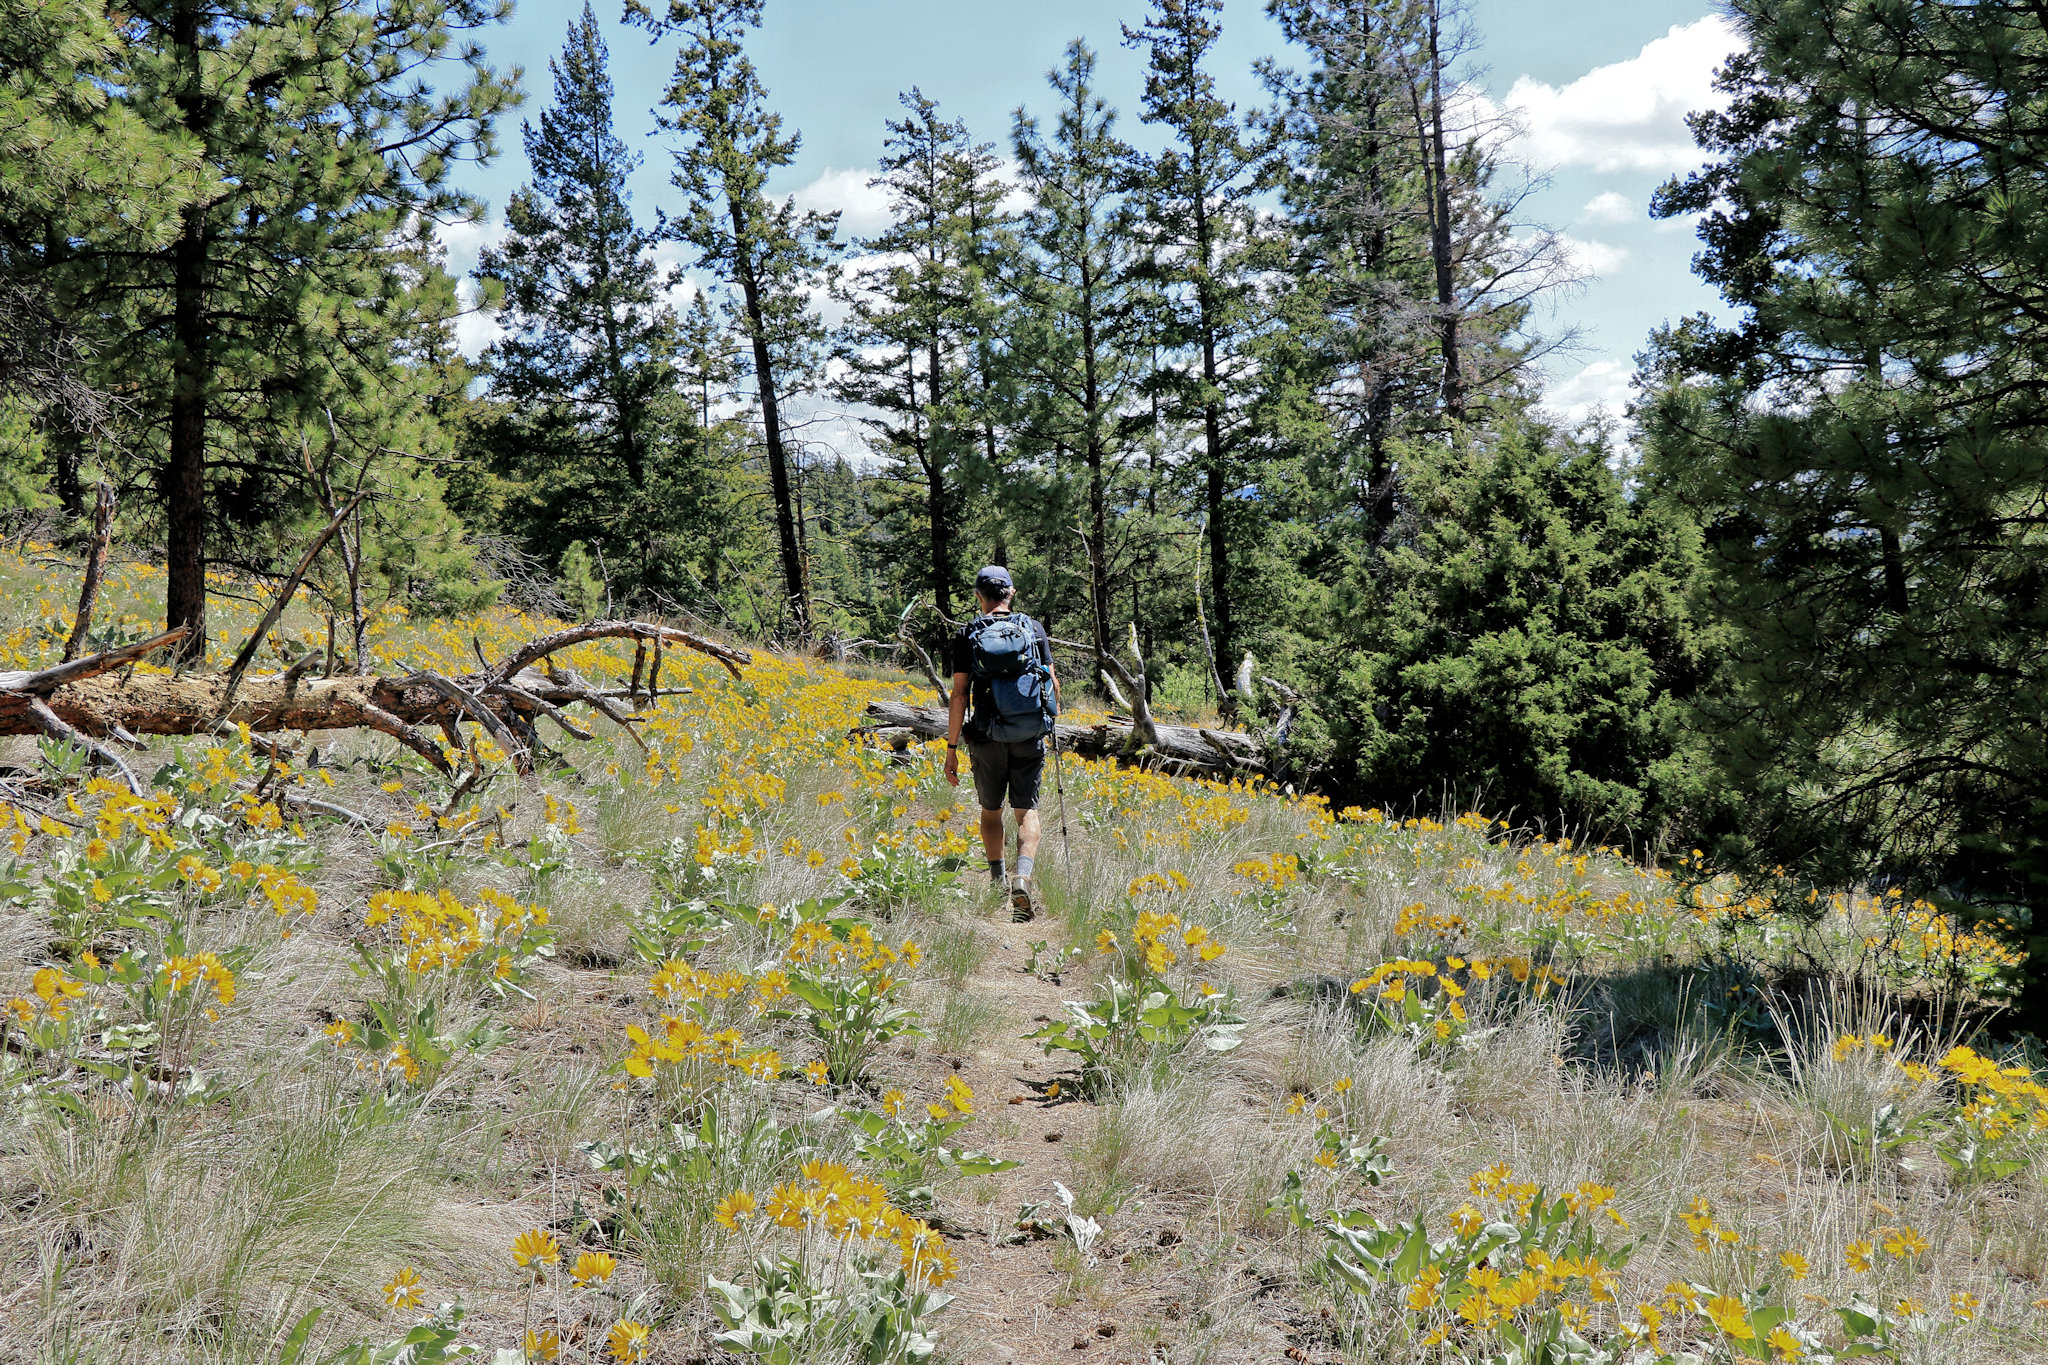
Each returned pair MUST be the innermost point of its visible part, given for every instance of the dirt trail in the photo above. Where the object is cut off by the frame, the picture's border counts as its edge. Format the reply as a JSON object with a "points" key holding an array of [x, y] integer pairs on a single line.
{"points": [[1013, 1304]]}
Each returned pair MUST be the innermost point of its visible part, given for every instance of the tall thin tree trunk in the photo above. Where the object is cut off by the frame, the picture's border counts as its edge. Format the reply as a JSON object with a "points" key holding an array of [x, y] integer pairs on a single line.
{"points": [[938, 498], [183, 480], [1098, 493], [1440, 225], [793, 585], [1212, 433]]}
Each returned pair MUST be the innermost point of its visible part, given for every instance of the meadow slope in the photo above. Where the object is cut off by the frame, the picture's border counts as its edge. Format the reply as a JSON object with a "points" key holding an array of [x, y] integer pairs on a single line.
{"points": [[719, 1048]]}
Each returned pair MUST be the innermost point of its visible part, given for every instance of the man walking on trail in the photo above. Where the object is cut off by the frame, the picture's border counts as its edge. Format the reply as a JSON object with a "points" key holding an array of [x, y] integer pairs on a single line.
{"points": [[1002, 662]]}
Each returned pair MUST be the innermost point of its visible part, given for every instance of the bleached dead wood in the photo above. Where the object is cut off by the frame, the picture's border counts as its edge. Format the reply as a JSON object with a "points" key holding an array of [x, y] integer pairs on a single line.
{"points": [[83, 701], [1180, 748]]}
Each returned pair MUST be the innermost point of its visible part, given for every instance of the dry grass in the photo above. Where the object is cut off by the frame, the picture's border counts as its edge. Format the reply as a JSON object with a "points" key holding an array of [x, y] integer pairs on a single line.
{"points": [[201, 1232]]}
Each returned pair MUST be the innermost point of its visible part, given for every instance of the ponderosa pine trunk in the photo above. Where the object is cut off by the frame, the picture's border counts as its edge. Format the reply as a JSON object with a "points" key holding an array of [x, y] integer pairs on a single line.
{"points": [[1098, 499], [937, 507], [1440, 226], [771, 425], [183, 480]]}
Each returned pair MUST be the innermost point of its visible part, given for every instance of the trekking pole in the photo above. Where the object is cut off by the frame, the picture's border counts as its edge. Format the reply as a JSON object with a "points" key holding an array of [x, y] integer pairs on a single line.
{"points": [[1059, 782]]}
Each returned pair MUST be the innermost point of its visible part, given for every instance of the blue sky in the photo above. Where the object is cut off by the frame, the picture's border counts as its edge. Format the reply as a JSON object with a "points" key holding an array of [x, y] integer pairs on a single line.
{"points": [[1600, 88]]}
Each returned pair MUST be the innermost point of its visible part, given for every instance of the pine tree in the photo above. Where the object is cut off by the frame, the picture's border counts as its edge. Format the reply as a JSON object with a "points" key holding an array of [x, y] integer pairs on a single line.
{"points": [[1863, 442], [287, 311], [63, 142], [907, 347], [1357, 363], [1196, 214], [770, 254], [1409, 281], [586, 354], [1078, 349], [1533, 647]]}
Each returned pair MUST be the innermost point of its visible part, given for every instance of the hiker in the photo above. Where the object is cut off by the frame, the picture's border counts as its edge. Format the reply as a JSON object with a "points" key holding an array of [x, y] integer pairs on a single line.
{"points": [[1002, 662]]}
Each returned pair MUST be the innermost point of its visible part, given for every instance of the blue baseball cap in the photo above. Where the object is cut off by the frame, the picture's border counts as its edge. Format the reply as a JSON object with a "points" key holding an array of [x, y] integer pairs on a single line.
{"points": [[993, 581]]}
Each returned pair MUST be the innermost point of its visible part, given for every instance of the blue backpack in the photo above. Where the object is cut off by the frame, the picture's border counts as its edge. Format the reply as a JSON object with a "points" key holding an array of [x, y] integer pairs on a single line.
{"points": [[1003, 659]]}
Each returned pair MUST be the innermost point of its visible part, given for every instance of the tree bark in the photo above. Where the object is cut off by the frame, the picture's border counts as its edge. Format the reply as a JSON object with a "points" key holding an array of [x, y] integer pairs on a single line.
{"points": [[793, 584], [183, 480], [95, 570], [937, 449], [1098, 491], [1440, 225], [88, 696]]}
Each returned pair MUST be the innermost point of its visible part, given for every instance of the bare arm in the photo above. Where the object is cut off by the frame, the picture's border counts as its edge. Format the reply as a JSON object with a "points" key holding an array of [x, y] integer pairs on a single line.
{"points": [[956, 709], [956, 712]]}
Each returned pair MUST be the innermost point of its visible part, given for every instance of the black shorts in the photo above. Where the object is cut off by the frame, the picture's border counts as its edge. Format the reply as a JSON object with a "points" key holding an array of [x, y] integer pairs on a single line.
{"points": [[1011, 769]]}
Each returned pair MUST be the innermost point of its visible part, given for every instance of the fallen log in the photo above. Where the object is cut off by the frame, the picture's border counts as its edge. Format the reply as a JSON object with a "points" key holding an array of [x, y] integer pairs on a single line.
{"points": [[82, 700], [1182, 749]]}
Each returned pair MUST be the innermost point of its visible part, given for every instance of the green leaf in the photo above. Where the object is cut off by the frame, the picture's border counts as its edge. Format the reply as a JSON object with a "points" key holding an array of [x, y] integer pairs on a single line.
{"points": [[812, 994], [288, 1354], [1408, 1261]]}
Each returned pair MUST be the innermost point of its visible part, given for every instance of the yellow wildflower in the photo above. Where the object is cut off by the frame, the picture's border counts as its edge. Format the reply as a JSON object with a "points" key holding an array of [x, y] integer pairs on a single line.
{"points": [[1904, 1242], [592, 1267], [734, 1209], [628, 1340], [403, 1289], [1730, 1316], [535, 1249]]}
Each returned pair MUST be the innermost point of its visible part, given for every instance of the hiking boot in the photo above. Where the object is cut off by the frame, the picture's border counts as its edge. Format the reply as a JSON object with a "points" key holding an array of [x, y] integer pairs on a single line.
{"points": [[1023, 900]]}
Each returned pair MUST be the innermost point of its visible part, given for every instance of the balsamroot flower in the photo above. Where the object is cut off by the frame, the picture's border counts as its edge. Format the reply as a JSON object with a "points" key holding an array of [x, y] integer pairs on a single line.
{"points": [[1728, 1314], [535, 1250], [403, 1289], [53, 988], [628, 1341], [1900, 1243], [198, 973], [734, 1209], [592, 1267]]}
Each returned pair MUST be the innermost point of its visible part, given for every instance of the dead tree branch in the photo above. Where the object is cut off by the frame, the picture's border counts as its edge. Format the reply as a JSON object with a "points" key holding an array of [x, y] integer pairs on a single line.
{"points": [[95, 568]]}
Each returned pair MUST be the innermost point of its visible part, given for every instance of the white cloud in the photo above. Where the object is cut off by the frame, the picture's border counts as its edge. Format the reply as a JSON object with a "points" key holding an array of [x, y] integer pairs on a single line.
{"points": [[1589, 257], [863, 208], [474, 330], [1601, 386], [1611, 207], [1629, 115], [673, 260], [464, 242]]}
